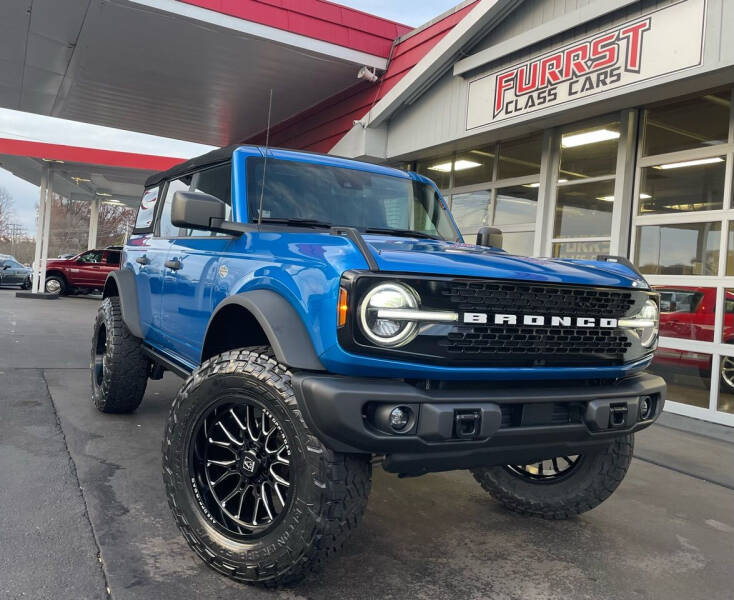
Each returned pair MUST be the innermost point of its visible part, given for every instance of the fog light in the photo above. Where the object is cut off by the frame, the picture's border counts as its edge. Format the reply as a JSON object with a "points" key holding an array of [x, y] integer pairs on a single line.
{"points": [[399, 418], [645, 408]]}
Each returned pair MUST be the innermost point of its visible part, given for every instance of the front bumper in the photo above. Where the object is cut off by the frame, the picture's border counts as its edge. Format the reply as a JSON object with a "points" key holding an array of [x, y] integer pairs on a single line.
{"points": [[511, 423]]}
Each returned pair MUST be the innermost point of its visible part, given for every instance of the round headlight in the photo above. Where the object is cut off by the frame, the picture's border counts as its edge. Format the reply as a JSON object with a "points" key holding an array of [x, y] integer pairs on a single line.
{"points": [[649, 316], [645, 323], [388, 332]]}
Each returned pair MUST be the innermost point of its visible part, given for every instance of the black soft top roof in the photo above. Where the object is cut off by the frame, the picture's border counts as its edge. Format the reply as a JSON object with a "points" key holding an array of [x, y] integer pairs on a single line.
{"points": [[210, 158]]}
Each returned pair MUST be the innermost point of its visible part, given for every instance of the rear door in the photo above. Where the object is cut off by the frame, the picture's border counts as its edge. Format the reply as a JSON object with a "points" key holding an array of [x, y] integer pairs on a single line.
{"points": [[145, 254], [8, 275], [192, 269], [110, 262]]}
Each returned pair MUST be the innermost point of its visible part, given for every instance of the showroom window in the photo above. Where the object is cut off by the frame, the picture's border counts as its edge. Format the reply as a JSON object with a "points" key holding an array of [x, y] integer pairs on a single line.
{"points": [[683, 241], [585, 189], [494, 185]]}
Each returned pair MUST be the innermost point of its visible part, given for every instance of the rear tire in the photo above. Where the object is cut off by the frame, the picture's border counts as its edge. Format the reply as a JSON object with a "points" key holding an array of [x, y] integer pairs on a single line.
{"points": [[570, 492], [119, 369], [218, 430]]}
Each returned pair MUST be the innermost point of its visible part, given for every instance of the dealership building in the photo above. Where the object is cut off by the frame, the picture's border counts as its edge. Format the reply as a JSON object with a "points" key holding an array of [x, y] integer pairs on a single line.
{"points": [[577, 127]]}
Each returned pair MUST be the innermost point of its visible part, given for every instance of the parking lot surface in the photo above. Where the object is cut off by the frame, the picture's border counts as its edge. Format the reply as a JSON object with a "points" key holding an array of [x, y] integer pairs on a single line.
{"points": [[83, 512]]}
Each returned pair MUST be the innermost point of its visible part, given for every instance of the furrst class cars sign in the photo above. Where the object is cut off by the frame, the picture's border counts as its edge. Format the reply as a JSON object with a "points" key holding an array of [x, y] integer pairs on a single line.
{"points": [[660, 42]]}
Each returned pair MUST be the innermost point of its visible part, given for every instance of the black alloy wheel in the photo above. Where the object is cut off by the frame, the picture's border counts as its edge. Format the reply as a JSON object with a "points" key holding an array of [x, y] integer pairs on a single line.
{"points": [[550, 470], [240, 461], [562, 486], [99, 353]]}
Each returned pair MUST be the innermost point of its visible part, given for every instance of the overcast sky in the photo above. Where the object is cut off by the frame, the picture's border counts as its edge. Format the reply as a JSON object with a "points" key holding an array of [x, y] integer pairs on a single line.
{"points": [[18, 125]]}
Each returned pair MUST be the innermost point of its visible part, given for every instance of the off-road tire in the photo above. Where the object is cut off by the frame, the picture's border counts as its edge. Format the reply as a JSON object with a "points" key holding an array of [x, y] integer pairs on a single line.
{"points": [[63, 287], [120, 386], [590, 483], [330, 489]]}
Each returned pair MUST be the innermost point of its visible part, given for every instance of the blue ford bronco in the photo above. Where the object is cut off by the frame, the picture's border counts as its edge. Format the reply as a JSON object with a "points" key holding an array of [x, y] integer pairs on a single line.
{"points": [[327, 316]]}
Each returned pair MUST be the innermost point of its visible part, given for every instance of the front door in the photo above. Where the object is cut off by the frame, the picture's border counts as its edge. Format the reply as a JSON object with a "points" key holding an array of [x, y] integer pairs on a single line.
{"points": [[87, 270]]}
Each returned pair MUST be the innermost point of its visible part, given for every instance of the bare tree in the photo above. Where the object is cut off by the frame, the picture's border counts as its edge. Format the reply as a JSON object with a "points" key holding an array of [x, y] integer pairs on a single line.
{"points": [[7, 213], [114, 223]]}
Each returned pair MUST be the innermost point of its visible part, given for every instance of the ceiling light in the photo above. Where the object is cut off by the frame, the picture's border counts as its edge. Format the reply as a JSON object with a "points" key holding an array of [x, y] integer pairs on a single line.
{"points": [[534, 185], [78, 180], [459, 165], [611, 198], [53, 160], [103, 194], [691, 163], [588, 137]]}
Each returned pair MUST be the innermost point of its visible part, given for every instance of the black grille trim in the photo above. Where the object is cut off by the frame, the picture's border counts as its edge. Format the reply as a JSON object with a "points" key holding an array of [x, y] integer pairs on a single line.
{"points": [[489, 345], [537, 299]]}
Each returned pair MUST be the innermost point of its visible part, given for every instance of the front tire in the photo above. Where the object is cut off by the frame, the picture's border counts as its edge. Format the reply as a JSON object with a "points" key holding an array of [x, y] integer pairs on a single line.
{"points": [[119, 369], [255, 494], [56, 285], [561, 487]]}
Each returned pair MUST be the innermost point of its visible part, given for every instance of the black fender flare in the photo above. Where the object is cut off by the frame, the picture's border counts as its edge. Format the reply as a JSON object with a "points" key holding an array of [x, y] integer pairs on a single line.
{"points": [[282, 326], [124, 281]]}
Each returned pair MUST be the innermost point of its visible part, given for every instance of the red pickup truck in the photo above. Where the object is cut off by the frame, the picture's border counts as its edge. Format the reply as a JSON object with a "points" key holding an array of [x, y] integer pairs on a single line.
{"points": [[84, 272]]}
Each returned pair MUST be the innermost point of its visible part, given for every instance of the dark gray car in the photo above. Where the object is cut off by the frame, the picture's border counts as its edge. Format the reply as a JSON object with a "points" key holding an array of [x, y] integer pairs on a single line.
{"points": [[13, 273]]}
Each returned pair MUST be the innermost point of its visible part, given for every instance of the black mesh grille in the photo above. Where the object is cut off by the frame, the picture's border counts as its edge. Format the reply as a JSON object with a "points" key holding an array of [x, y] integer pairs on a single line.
{"points": [[513, 340], [538, 299], [533, 344]]}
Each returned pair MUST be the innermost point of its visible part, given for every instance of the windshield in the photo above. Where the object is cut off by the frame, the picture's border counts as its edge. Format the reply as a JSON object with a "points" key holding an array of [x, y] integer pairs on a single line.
{"points": [[325, 195]]}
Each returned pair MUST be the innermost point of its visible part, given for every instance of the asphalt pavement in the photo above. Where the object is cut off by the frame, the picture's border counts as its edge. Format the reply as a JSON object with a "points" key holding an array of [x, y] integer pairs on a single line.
{"points": [[83, 514]]}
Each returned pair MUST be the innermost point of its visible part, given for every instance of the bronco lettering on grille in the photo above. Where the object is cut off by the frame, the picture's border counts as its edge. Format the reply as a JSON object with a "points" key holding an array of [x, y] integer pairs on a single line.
{"points": [[539, 320]]}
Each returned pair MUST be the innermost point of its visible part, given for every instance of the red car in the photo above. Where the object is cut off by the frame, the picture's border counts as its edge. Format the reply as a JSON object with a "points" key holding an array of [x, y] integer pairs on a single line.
{"points": [[84, 272], [688, 313]]}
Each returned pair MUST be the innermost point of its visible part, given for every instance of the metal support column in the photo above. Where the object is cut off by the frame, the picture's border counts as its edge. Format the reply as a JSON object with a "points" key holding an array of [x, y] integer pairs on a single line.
{"points": [[93, 222], [46, 229], [41, 233]]}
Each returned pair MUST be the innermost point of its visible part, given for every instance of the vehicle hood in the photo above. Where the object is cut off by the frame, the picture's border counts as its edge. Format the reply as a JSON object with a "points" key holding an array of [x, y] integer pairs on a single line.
{"points": [[58, 261], [437, 257]]}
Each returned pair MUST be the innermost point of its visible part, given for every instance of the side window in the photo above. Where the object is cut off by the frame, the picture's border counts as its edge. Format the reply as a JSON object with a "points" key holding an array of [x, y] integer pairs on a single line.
{"points": [[146, 212], [113, 257], [166, 228], [217, 182], [93, 256]]}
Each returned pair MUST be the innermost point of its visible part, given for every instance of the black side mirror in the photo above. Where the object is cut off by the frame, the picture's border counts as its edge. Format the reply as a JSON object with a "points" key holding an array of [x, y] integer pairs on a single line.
{"points": [[6, 267], [197, 210], [489, 236]]}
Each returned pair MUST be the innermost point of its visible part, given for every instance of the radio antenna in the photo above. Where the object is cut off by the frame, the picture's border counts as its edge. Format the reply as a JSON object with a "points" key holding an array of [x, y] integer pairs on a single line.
{"points": [[265, 162]]}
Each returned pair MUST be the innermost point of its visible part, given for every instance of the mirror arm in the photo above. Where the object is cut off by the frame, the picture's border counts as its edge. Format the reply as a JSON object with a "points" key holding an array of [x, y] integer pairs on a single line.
{"points": [[231, 227]]}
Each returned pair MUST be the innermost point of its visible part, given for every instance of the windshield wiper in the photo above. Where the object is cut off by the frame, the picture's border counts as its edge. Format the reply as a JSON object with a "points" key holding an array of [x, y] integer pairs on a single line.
{"points": [[402, 232], [297, 222]]}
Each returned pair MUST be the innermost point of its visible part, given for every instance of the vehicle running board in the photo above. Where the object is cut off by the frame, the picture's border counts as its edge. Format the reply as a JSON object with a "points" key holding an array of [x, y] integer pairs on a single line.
{"points": [[168, 364]]}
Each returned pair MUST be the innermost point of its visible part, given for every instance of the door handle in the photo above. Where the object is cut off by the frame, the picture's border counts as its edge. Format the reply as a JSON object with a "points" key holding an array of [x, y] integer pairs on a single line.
{"points": [[142, 260], [174, 265]]}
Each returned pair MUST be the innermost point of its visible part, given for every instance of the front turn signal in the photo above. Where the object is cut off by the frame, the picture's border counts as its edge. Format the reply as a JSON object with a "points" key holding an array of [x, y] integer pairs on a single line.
{"points": [[342, 308]]}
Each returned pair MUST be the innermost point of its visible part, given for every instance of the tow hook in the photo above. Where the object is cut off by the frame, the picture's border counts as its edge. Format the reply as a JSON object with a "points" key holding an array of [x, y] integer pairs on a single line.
{"points": [[467, 424], [618, 414]]}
